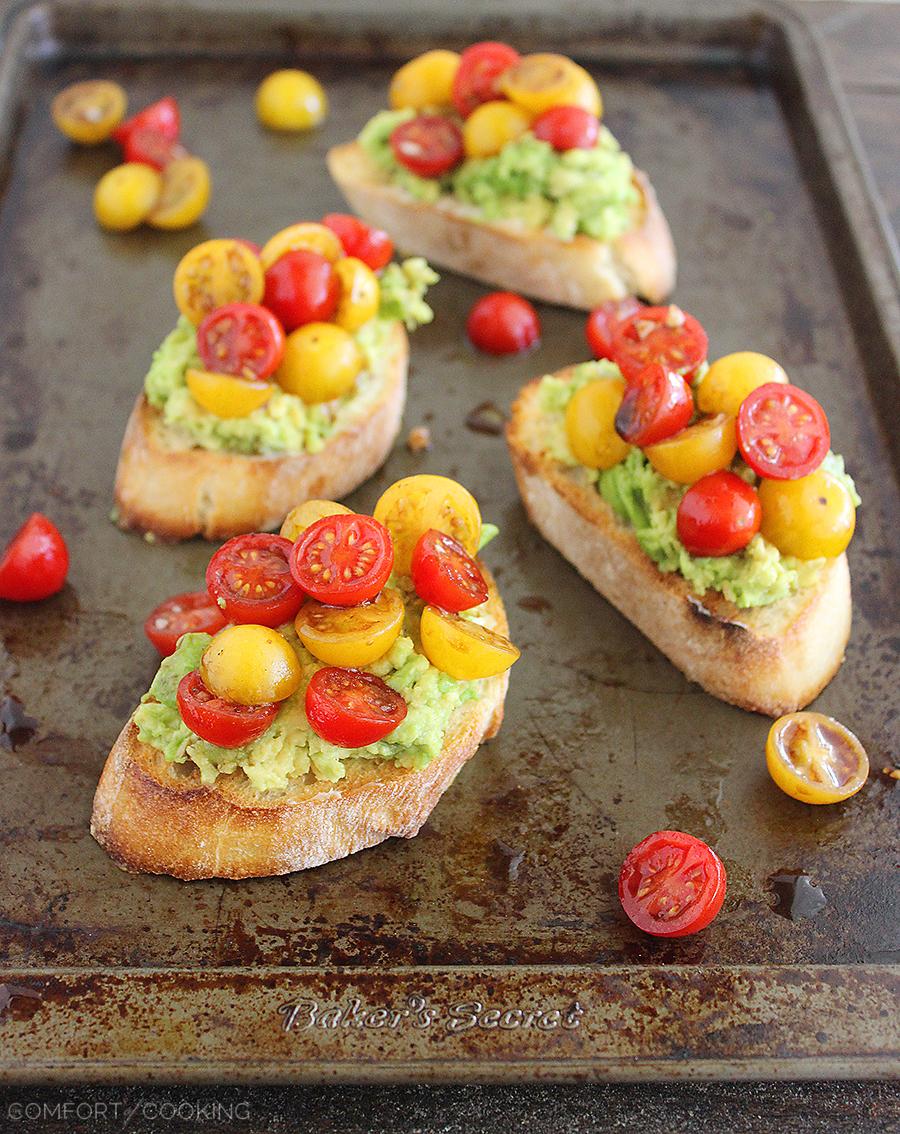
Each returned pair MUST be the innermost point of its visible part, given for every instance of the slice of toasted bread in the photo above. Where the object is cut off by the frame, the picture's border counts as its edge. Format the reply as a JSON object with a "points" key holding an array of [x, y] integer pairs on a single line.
{"points": [[577, 273], [175, 489], [771, 659], [158, 818]]}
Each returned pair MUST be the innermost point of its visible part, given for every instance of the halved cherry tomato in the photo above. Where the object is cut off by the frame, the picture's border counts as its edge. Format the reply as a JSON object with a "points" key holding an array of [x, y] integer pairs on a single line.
{"points": [[291, 100], [321, 363], [591, 424], [305, 236], [252, 665], [656, 405], [815, 759], [244, 339], [782, 432], [163, 116], [492, 126], [444, 573], [416, 503], [88, 112], [808, 518], [718, 515], [429, 145], [423, 82], [503, 323], [477, 76], [214, 273], [250, 578], [343, 560], [696, 451], [360, 293], [125, 196], [152, 148], [463, 649], [732, 377], [603, 321], [672, 884], [299, 518], [195, 612], [35, 562], [539, 82], [351, 635], [217, 721], [567, 128], [666, 335], [227, 396], [186, 187], [352, 708], [301, 287], [371, 245]]}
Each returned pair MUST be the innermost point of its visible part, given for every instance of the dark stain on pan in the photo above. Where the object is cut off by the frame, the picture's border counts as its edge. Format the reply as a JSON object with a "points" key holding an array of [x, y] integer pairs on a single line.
{"points": [[16, 726], [796, 895], [486, 418]]}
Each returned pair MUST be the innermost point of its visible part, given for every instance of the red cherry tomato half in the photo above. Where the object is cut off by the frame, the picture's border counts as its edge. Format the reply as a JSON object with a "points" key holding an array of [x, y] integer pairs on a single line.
{"points": [[672, 884], [301, 287], [195, 612], [445, 575], [603, 321], [503, 323], [429, 145], [659, 334], [371, 245], [151, 148], [567, 128], [221, 722], [244, 339], [351, 707], [35, 562], [782, 432], [163, 117], [250, 578], [480, 66], [718, 515], [343, 560], [657, 404]]}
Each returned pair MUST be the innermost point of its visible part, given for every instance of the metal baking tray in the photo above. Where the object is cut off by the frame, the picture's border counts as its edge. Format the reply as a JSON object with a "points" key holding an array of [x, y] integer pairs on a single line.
{"points": [[492, 946]]}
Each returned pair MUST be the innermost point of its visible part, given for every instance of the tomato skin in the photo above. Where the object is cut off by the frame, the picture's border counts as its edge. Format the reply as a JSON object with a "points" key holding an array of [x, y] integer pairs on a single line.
{"points": [[477, 77], [339, 546], [782, 432], [603, 321], [688, 874], [463, 649], [245, 566], [492, 126], [656, 405], [243, 339], [428, 145], [544, 80], [414, 504], [732, 377], [214, 273], [125, 196], [251, 665], [445, 575], [194, 612], [815, 759], [425, 81], [707, 445], [352, 708], [590, 424], [567, 128], [659, 334], [301, 288], [808, 518], [299, 518], [35, 563], [163, 117], [217, 721], [371, 245], [321, 362], [291, 100], [351, 636], [718, 515], [152, 148], [503, 323]]}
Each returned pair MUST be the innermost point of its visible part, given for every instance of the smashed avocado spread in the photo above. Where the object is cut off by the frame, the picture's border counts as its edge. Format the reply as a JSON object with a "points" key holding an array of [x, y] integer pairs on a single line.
{"points": [[286, 424], [579, 191], [648, 502]]}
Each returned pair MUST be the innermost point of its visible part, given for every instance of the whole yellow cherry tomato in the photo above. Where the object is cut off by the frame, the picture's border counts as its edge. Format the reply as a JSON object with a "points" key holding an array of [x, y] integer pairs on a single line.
{"points": [[539, 82], [590, 424], [88, 112], [214, 273], [731, 378], [184, 196], [307, 235], [225, 395], [321, 362], [298, 519], [415, 504], [490, 126], [426, 81], [250, 664], [125, 196], [360, 293], [291, 100], [702, 448], [351, 636], [463, 649], [808, 518], [815, 759]]}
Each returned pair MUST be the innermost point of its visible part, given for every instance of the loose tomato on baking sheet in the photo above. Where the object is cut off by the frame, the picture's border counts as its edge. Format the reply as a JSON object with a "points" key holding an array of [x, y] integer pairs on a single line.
{"points": [[666, 335], [163, 117], [186, 186], [89, 111], [250, 578], [352, 708], [815, 758], [35, 563], [244, 339], [445, 575], [343, 560], [503, 323], [218, 721], [672, 884], [190, 613]]}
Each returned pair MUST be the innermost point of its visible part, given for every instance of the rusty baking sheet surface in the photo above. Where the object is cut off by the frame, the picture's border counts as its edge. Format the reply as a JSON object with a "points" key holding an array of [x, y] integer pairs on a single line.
{"points": [[373, 967]]}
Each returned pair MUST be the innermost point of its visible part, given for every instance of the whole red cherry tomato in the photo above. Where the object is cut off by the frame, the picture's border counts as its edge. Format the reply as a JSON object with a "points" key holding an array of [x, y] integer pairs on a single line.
{"points": [[195, 612], [35, 563], [567, 128], [343, 559], [244, 339], [163, 117], [352, 707], [250, 578], [480, 66], [429, 145], [371, 245], [603, 321], [718, 515], [217, 721], [150, 147], [503, 323], [301, 287], [659, 334], [672, 884], [445, 575], [657, 404], [782, 432]]}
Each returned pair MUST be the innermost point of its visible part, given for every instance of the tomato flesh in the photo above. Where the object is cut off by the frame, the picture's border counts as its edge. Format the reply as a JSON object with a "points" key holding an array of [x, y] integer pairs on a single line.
{"points": [[250, 578], [351, 707], [782, 431], [445, 575], [301, 287], [428, 145], [217, 721], [478, 74], [603, 321], [371, 245], [163, 117], [243, 339], [152, 148], [503, 323], [343, 560], [656, 405], [666, 335], [718, 515], [195, 612], [815, 758], [672, 884], [567, 128], [35, 563]]}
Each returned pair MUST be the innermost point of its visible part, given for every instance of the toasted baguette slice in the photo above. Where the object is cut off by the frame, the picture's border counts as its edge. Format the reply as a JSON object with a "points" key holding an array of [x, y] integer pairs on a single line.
{"points": [[578, 273], [158, 818], [772, 659], [175, 489]]}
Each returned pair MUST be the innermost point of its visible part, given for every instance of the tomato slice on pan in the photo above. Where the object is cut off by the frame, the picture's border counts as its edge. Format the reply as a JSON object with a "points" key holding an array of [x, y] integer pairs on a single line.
{"points": [[164, 117], [672, 884], [351, 707], [221, 722], [480, 66], [371, 245], [243, 339], [657, 404], [343, 560], [445, 575], [429, 145], [250, 578], [659, 334], [195, 612], [782, 432], [604, 320]]}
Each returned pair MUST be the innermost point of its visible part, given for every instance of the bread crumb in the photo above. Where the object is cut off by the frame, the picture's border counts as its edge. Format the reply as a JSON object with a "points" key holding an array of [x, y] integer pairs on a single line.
{"points": [[419, 439]]}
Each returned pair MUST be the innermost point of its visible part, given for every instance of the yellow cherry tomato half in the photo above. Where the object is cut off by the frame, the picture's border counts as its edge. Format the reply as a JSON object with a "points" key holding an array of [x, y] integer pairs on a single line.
{"points": [[307, 235], [214, 273], [124, 196], [463, 649], [702, 448], [298, 519], [539, 82], [591, 424], [490, 126], [321, 362], [225, 395], [360, 293], [351, 636], [88, 112], [250, 664], [415, 504], [731, 378], [815, 759], [426, 81], [291, 100], [811, 517], [186, 186]]}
